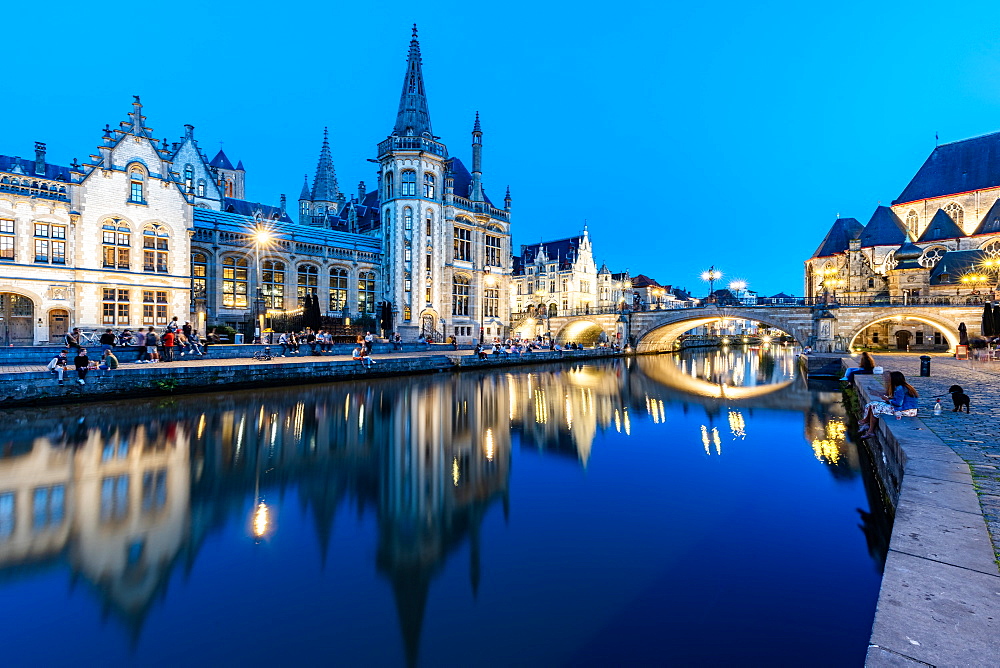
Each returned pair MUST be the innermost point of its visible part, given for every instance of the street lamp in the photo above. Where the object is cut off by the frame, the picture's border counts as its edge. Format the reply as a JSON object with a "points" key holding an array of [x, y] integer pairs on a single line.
{"points": [[835, 283], [975, 280], [737, 287], [712, 275], [540, 293], [992, 265], [262, 238], [488, 282]]}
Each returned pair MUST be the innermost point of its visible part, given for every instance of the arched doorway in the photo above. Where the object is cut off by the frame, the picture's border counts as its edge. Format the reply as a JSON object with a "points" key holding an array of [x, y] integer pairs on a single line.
{"points": [[902, 339], [427, 326], [58, 324], [16, 315]]}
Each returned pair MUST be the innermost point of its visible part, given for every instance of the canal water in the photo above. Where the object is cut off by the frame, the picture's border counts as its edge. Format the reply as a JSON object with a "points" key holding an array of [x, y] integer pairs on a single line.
{"points": [[705, 508]]}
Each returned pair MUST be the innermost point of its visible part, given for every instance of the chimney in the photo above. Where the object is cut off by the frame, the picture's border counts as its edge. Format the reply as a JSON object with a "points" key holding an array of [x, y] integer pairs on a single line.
{"points": [[284, 201], [361, 191], [189, 132], [40, 158]]}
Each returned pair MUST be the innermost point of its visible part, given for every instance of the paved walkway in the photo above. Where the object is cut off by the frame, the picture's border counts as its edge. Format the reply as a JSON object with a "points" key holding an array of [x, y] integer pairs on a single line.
{"points": [[974, 437]]}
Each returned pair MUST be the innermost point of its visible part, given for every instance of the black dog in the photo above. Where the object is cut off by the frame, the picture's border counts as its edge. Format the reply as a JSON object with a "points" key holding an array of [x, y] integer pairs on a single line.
{"points": [[959, 397]]}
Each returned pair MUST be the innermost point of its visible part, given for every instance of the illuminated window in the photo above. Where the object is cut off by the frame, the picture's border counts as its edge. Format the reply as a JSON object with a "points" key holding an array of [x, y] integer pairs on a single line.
{"points": [[234, 282], [492, 251], [338, 288], [429, 185], [188, 178], [462, 244], [429, 221], [199, 273], [956, 212], [932, 256], [273, 284], [7, 238], [491, 305], [308, 282], [407, 218], [201, 187], [366, 292], [408, 180], [407, 313], [116, 244], [155, 247], [460, 296], [137, 180]]}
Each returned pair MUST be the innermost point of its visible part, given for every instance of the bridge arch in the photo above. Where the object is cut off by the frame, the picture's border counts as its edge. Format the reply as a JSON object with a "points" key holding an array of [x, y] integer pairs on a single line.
{"points": [[583, 330], [947, 328], [657, 333]]}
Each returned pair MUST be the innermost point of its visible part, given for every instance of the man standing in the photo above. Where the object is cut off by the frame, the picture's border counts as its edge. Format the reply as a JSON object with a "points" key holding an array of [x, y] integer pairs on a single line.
{"points": [[82, 364], [168, 346], [58, 365], [151, 340]]}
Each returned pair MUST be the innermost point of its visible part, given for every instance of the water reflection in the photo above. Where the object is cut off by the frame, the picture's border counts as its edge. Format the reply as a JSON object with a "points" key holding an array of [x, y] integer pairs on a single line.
{"points": [[128, 492]]}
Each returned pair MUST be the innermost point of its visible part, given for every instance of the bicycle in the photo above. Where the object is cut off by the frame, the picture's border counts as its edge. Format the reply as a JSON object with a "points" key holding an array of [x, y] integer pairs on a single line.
{"points": [[90, 338], [263, 355]]}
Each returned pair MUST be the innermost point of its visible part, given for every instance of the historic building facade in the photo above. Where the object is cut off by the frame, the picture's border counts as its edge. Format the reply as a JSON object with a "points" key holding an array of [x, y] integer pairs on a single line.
{"points": [[938, 242]]}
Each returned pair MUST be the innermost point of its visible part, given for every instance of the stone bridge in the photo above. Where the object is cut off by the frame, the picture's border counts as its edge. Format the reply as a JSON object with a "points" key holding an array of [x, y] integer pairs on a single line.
{"points": [[827, 328]]}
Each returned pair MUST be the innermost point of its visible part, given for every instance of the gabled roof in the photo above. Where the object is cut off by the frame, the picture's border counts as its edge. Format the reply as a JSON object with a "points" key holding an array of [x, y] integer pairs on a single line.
{"points": [[603, 270], [838, 238], [221, 161], [27, 168], [941, 227], [955, 264], [562, 251], [958, 167], [643, 281], [244, 208], [884, 228], [991, 221]]}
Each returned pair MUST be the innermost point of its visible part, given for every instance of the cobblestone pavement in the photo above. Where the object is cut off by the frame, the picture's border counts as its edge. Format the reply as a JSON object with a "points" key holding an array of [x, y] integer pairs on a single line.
{"points": [[976, 436]]}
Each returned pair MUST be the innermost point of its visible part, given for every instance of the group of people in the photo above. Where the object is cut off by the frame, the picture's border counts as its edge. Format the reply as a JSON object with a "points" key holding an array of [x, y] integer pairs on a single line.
{"points": [[82, 363], [319, 342], [899, 400], [363, 350]]}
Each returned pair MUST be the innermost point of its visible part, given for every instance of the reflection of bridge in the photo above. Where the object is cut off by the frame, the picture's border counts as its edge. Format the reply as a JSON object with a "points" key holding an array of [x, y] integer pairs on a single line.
{"points": [[827, 328]]}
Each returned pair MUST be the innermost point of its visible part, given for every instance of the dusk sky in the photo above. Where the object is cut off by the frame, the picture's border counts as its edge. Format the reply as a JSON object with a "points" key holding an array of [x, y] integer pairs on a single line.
{"points": [[685, 134]]}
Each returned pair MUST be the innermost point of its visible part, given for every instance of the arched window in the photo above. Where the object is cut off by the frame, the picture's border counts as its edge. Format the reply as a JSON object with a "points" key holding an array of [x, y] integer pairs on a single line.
{"points": [[234, 282], [155, 247], [409, 181], [407, 218], [429, 221], [991, 248], [428, 185], [956, 212], [308, 282], [912, 222], [932, 255], [553, 311], [188, 178], [366, 292], [201, 187], [460, 296], [462, 244], [272, 280], [117, 242], [389, 185], [199, 273], [890, 261], [137, 180], [338, 288], [229, 187]]}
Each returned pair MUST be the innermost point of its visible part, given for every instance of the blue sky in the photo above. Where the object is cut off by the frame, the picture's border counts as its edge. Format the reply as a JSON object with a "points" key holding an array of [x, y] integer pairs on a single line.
{"points": [[685, 134]]}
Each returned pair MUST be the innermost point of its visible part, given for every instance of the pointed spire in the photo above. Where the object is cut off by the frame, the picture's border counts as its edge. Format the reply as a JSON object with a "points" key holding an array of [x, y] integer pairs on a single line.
{"points": [[413, 117], [506, 199], [325, 186], [477, 128], [304, 195], [476, 189]]}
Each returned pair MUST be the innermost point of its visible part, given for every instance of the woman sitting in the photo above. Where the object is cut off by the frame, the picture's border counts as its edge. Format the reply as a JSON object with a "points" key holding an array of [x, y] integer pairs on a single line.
{"points": [[901, 400], [867, 368]]}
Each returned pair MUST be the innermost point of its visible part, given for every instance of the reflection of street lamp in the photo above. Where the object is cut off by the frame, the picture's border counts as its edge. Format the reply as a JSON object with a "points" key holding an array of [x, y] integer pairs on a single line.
{"points": [[488, 282], [712, 275]]}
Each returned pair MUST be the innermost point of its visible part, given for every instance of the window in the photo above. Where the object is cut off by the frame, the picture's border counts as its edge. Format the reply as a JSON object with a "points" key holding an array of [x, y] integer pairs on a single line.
{"points": [[585, 286], [273, 284], [114, 497], [155, 246], [938, 339], [199, 273], [338, 289], [188, 178], [50, 245], [407, 285], [429, 185], [565, 304], [407, 254], [427, 294], [428, 221], [8, 516], [912, 221], [491, 305], [460, 296], [920, 337], [116, 244], [565, 285], [49, 507], [154, 490], [137, 180], [552, 286], [366, 292], [991, 248], [115, 306], [430, 262], [408, 180], [147, 307], [407, 218], [229, 187], [407, 313], [956, 212], [6, 239], [932, 256], [234, 282], [492, 251], [201, 187], [308, 282], [161, 307], [389, 185], [463, 244]]}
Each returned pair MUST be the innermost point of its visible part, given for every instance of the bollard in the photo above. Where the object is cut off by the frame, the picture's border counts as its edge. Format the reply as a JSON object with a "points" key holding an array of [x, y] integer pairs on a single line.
{"points": [[925, 366]]}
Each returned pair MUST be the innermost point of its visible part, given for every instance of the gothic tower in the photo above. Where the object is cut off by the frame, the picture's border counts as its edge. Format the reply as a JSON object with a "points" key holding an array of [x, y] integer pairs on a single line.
{"points": [[326, 198]]}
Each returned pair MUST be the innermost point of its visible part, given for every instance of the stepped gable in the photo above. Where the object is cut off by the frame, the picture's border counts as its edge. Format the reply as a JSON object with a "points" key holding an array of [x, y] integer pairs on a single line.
{"points": [[884, 228], [990, 223], [958, 167], [941, 227], [838, 239]]}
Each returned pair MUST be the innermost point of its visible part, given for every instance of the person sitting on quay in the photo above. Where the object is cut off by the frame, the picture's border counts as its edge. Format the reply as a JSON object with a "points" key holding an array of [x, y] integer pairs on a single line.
{"points": [[900, 400], [481, 351], [867, 368], [82, 364], [108, 361], [361, 355], [73, 339], [58, 365]]}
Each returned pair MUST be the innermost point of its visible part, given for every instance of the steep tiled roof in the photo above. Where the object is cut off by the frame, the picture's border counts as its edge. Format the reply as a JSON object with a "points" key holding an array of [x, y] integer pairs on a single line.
{"points": [[958, 167], [955, 264], [838, 238], [643, 281], [562, 250], [244, 208], [463, 179], [941, 227], [27, 168], [990, 223], [884, 228], [220, 160]]}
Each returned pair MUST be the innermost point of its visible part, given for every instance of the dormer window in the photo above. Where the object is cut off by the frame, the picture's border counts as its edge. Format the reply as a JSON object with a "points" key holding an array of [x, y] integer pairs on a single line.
{"points": [[137, 181]]}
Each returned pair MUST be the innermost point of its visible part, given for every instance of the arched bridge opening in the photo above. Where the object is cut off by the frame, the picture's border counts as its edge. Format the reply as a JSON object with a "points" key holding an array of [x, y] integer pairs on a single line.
{"points": [[665, 336], [863, 336], [585, 332]]}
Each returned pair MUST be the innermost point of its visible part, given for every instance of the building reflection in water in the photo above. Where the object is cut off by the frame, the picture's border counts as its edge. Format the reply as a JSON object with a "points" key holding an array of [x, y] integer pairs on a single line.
{"points": [[124, 498]]}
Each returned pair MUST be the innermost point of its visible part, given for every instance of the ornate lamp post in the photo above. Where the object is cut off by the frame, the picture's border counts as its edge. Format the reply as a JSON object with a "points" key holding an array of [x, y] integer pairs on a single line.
{"points": [[974, 281], [488, 282], [712, 275], [737, 287], [262, 238]]}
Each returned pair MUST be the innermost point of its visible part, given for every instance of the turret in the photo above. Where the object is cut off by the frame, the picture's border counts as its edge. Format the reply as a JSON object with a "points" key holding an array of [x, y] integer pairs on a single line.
{"points": [[506, 200], [476, 194], [304, 202]]}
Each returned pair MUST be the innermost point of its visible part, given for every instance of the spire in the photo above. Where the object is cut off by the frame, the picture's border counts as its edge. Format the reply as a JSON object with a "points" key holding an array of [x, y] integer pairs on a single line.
{"points": [[304, 195], [325, 186], [413, 118], [506, 199], [476, 194]]}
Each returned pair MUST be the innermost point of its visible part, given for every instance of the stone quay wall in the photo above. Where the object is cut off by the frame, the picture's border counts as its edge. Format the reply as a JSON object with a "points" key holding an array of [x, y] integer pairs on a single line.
{"points": [[939, 603]]}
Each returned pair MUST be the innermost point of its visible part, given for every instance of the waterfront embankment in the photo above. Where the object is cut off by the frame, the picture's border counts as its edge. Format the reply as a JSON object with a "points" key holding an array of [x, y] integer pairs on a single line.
{"points": [[939, 602], [30, 383]]}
